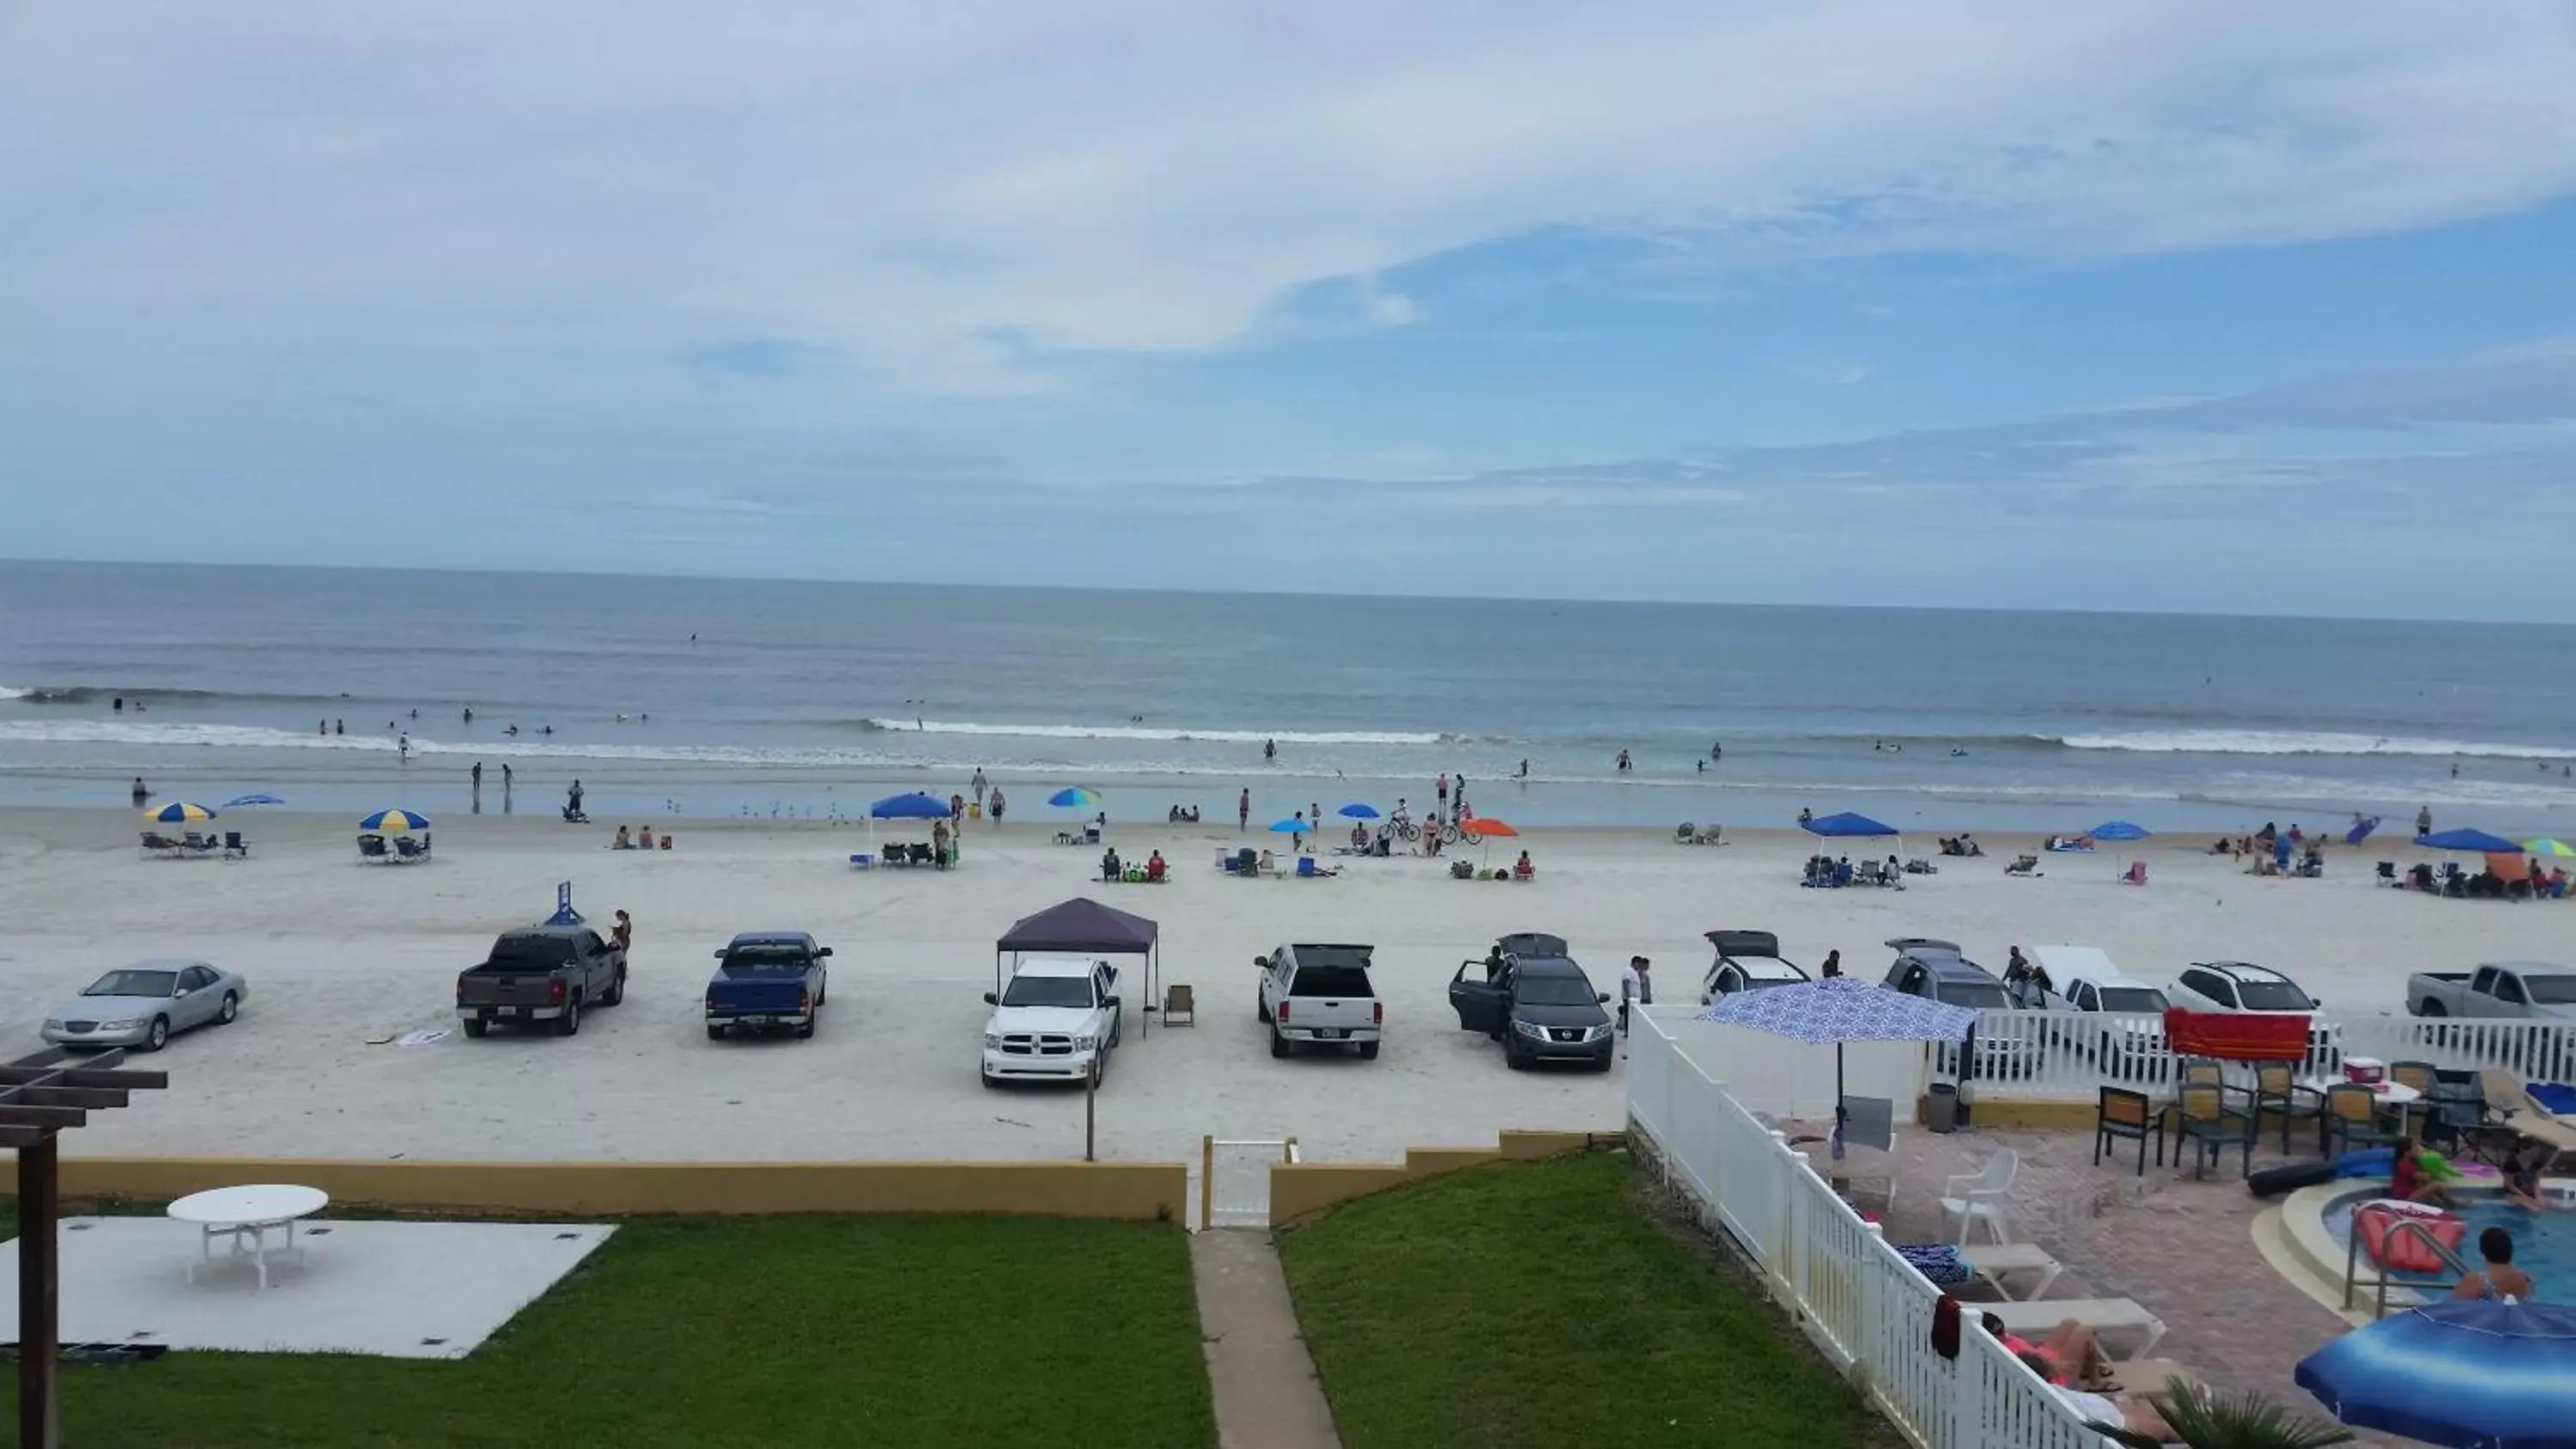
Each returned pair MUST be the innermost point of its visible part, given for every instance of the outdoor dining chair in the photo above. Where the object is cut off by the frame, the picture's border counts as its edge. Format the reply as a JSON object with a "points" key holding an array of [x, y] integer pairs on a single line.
{"points": [[1978, 1196], [2127, 1116], [2202, 1118], [2277, 1089], [2352, 1117]]}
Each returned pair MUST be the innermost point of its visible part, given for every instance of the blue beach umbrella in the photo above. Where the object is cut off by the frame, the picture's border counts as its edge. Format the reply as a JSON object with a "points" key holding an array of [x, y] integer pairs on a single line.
{"points": [[239, 802], [1290, 827], [1074, 797], [179, 812], [1357, 811], [2119, 830], [1848, 823], [395, 819], [2465, 839], [2465, 1372]]}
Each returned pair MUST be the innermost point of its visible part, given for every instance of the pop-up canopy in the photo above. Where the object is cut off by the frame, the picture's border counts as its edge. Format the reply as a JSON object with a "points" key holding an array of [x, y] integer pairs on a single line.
{"points": [[1085, 927]]}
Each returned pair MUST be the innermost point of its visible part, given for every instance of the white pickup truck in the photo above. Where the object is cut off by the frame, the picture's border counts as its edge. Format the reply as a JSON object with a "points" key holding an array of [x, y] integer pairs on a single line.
{"points": [[1056, 1021], [1319, 996], [2499, 988]]}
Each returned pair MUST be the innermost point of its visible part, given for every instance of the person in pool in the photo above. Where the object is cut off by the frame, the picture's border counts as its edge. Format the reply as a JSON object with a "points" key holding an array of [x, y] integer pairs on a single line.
{"points": [[2498, 1278], [2412, 1179], [2522, 1168]]}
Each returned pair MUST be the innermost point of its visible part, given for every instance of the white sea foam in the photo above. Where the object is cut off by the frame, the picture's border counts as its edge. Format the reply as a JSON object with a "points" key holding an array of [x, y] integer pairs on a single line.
{"points": [[1156, 732], [9, 692], [2296, 742]]}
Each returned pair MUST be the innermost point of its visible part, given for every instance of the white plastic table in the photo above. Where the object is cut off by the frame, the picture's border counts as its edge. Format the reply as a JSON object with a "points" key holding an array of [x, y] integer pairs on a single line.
{"points": [[247, 1215], [2392, 1096]]}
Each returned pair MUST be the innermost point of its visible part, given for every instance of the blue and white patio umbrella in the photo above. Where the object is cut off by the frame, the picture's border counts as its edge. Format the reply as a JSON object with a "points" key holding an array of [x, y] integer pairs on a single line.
{"points": [[2465, 1372], [1838, 1009]]}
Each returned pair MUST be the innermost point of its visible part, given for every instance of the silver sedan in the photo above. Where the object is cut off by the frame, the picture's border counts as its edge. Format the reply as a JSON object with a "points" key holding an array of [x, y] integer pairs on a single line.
{"points": [[142, 1004]]}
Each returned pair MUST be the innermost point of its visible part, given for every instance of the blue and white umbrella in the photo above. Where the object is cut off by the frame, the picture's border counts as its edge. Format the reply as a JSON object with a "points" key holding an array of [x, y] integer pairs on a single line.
{"points": [[1357, 811], [394, 820], [2466, 1372], [1838, 1009]]}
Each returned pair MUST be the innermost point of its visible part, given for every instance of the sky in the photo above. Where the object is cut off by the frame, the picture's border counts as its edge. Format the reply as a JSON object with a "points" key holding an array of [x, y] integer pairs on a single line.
{"points": [[2218, 308]]}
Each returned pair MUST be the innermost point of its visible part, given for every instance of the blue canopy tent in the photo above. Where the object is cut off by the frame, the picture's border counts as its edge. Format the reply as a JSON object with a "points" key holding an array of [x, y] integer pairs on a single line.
{"points": [[1848, 823], [915, 806], [2466, 839]]}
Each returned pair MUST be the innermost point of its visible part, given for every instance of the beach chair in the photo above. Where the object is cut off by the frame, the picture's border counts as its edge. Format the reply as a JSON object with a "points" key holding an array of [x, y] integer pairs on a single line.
{"points": [[1685, 834], [1976, 1197], [2037, 1317], [372, 847], [2351, 1118], [1306, 867], [406, 848], [1992, 1261], [2129, 1117], [2023, 865], [2136, 874], [196, 844], [235, 848], [1179, 1007], [159, 844]]}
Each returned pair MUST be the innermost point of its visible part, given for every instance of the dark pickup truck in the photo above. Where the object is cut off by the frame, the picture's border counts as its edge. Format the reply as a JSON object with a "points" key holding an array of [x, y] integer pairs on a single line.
{"points": [[767, 980], [541, 975]]}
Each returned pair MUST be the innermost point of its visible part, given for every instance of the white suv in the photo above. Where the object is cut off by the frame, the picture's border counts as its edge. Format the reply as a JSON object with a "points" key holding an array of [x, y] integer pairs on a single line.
{"points": [[2243, 988], [1056, 1021]]}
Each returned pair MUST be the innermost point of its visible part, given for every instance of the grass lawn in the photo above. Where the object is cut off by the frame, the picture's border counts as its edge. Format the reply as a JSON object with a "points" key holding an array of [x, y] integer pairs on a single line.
{"points": [[1539, 1304], [820, 1330]]}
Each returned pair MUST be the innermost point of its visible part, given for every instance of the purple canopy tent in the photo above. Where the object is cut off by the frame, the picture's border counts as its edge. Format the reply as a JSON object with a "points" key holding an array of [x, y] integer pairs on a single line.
{"points": [[1085, 927]]}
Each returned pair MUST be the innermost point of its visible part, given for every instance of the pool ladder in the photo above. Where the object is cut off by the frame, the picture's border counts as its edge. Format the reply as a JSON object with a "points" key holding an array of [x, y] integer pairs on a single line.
{"points": [[2402, 1228]]}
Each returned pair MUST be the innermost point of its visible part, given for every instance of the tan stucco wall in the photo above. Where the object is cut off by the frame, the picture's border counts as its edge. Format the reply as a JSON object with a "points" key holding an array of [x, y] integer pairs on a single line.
{"points": [[2036, 1116], [1299, 1190], [1055, 1189]]}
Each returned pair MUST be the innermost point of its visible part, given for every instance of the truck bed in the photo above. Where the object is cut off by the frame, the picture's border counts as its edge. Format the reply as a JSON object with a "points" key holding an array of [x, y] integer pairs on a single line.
{"points": [[505, 983]]}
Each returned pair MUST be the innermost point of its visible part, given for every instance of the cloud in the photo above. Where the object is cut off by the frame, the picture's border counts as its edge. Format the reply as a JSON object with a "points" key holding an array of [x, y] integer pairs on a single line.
{"points": [[954, 198]]}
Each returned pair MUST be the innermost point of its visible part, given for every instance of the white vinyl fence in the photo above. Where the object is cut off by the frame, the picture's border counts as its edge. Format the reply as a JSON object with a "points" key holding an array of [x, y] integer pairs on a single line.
{"points": [[1861, 1303], [2068, 1055]]}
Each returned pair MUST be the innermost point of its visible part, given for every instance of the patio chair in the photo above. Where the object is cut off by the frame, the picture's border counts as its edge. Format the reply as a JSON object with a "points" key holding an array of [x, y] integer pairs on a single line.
{"points": [[2455, 1116], [2203, 1118], [406, 848], [159, 844], [2418, 1075], [1180, 1008], [2352, 1118], [1869, 1122], [372, 847], [235, 848], [2277, 1089], [1979, 1196], [2127, 1116], [2202, 1072]]}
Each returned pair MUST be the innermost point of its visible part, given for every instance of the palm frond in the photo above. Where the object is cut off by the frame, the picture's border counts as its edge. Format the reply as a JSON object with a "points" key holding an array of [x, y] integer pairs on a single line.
{"points": [[2208, 1420]]}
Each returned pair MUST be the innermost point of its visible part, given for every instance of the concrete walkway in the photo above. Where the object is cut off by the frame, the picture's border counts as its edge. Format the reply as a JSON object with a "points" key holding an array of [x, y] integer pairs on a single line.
{"points": [[1267, 1396]]}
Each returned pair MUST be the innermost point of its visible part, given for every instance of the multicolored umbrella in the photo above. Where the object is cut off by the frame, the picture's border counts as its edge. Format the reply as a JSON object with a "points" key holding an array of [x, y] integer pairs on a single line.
{"points": [[395, 819], [2468, 1372], [1074, 797], [2549, 847], [179, 812]]}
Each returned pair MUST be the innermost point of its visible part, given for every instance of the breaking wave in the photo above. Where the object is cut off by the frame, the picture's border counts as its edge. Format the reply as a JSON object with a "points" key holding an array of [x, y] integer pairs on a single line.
{"points": [[2289, 742], [1159, 732]]}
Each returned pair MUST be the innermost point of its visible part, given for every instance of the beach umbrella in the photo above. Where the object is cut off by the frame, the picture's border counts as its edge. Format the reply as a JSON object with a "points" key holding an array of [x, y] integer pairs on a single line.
{"points": [[1290, 827], [1357, 811], [1073, 797], [1485, 828], [2119, 830], [2468, 1372], [1848, 823], [394, 819], [2549, 847], [915, 806], [179, 812], [239, 802], [2465, 839], [1841, 1009]]}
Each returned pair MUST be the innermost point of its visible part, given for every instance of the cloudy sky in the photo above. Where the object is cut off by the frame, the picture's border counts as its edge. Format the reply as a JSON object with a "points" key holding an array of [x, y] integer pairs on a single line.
{"points": [[2262, 308]]}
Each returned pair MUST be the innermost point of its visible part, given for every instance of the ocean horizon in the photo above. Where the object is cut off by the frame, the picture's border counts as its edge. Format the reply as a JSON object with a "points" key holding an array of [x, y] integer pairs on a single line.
{"points": [[726, 697]]}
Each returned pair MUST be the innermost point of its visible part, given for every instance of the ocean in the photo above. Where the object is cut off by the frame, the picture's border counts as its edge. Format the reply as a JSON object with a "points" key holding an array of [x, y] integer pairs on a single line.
{"points": [[710, 697]]}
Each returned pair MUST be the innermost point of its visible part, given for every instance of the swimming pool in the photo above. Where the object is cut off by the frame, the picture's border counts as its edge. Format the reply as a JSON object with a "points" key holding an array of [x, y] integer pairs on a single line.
{"points": [[2544, 1244]]}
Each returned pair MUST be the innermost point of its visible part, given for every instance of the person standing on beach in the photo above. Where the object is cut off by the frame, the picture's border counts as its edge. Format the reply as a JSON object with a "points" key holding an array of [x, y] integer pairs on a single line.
{"points": [[1637, 987], [978, 784], [572, 798], [2424, 821], [1243, 812], [477, 774], [1315, 817], [1270, 749], [1524, 774], [1442, 791], [506, 783], [339, 727], [997, 804], [622, 935], [1297, 837]]}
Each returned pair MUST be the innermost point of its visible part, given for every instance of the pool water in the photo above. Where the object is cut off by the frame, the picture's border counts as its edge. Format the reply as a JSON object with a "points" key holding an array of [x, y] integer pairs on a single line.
{"points": [[2544, 1244]]}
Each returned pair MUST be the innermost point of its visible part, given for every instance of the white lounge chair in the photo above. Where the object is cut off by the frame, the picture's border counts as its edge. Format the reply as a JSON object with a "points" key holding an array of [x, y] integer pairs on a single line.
{"points": [[1991, 1262], [2033, 1319], [1979, 1196]]}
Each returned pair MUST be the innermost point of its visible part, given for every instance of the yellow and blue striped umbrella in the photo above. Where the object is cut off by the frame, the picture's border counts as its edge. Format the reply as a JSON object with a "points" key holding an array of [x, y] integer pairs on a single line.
{"points": [[394, 819], [179, 812], [2549, 847]]}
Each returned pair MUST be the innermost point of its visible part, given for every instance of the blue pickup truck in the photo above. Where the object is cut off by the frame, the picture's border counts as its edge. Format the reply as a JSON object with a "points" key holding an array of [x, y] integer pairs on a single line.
{"points": [[766, 980]]}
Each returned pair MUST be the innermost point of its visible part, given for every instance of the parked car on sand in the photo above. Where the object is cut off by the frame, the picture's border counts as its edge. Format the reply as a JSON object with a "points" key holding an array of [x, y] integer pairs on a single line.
{"points": [[2529, 989], [144, 1004], [1057, 1021], [546, 974], [1528, 994], [766, 980], [1746, 961], [2130, 1041], [1936, 971], [1319, 996]]}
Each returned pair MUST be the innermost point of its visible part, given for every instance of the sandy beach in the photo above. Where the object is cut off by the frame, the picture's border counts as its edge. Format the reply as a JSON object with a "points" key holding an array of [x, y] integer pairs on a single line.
{"points": [[339, 954]]}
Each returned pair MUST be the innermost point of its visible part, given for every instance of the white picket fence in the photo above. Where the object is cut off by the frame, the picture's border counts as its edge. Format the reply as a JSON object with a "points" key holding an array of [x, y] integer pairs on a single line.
{"points": [[1864, 1307], [2068, 1055]]}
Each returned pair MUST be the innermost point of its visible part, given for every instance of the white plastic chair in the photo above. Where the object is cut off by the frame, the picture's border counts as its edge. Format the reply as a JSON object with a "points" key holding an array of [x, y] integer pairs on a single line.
{"points": [[1979, 1196]]}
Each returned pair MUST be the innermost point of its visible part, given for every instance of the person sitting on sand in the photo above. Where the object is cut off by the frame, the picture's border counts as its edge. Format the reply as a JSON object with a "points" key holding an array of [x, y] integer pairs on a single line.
{"points": [[1522, 869], [1359, 838], [624, 841], [644, 837], [1154, 867], [1109, 866], [2497, 1278], [1266, 865]]}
